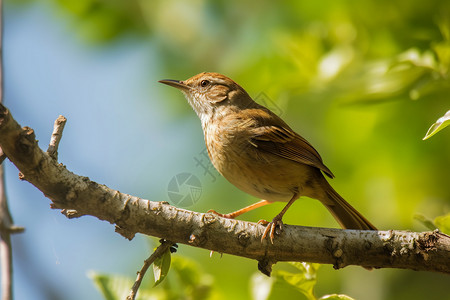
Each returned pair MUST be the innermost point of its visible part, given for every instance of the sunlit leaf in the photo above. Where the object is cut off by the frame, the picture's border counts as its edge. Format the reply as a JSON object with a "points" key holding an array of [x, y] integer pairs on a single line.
{"points": [[336, 297], [112, 287], [161, 267], [443, 223], [417, 58], [440, 124], [261, 286], [384, 80], [303, 278]]}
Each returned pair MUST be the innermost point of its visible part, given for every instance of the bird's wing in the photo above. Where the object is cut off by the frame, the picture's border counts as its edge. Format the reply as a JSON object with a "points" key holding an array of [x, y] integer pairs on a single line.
{"points": [[286, 143]]}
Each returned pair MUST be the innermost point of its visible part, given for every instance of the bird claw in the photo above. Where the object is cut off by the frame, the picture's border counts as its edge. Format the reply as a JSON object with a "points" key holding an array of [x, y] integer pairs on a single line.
{"points": [[274, 227], [263, 222]]}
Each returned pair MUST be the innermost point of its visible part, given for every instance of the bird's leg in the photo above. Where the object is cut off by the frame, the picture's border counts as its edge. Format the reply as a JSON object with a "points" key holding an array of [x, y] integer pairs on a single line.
{"points": [[241, 211], [277, 221], [238, 212]]}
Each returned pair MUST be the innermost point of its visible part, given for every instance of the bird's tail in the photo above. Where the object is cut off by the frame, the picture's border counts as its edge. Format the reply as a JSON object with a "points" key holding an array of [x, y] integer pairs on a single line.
{"points": [[347, 216]]}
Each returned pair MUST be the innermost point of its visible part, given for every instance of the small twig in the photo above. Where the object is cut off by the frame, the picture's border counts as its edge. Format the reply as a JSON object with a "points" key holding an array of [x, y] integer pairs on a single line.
{"points": [[6, 265], [56, 137], [12, 229], [6, 229], [165, 245]]}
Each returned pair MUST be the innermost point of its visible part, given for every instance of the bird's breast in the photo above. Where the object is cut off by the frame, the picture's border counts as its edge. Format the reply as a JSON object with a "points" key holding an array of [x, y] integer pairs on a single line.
{"points": [[255, 172]]}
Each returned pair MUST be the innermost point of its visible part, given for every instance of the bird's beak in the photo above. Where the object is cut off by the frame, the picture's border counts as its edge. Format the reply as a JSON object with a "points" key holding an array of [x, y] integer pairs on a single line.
{"points": [[176, 83]]}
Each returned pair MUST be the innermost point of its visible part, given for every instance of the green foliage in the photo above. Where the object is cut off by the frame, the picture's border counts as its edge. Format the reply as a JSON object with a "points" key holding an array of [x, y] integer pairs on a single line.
{"points": [[103, 21], [189, 282], [186, 281], [112, 287], [301, 277], [261, 286], [369, 52], [443, 223], [161, 267]]}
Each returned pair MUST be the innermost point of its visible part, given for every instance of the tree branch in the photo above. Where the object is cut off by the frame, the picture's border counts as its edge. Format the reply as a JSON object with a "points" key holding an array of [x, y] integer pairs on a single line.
{"points": [[77, 196]]}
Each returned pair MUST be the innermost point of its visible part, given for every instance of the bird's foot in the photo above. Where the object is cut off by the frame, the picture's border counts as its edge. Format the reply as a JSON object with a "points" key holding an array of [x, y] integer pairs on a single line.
{"points": [[274, 227], [227, 216]]}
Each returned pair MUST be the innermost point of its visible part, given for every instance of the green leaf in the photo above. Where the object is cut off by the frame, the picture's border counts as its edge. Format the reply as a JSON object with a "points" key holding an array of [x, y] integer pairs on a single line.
{"points": [[336, 297], [440, 124], [302, 278], [443, 223], [112, 287], [425, 221], [261, 286], [161, 267]]}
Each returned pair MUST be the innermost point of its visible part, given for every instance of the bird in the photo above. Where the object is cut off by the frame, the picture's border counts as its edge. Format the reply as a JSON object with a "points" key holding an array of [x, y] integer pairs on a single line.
{"points": [[255, 150]]}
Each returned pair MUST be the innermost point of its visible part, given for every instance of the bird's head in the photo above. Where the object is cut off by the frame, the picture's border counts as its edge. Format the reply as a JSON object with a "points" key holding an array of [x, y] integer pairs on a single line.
{"points": [[210, 93]]}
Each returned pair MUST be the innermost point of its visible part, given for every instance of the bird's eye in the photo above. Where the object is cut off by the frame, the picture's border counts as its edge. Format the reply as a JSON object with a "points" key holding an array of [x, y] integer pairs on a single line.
{"points": [[204, 83]]}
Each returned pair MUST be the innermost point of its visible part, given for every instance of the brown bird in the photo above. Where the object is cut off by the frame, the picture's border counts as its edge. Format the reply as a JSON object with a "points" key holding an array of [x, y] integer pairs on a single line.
{"points": [[259, 153]]}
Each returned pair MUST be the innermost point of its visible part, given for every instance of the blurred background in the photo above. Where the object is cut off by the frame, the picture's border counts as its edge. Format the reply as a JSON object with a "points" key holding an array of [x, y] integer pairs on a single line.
{"points": [[361, 80]]}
